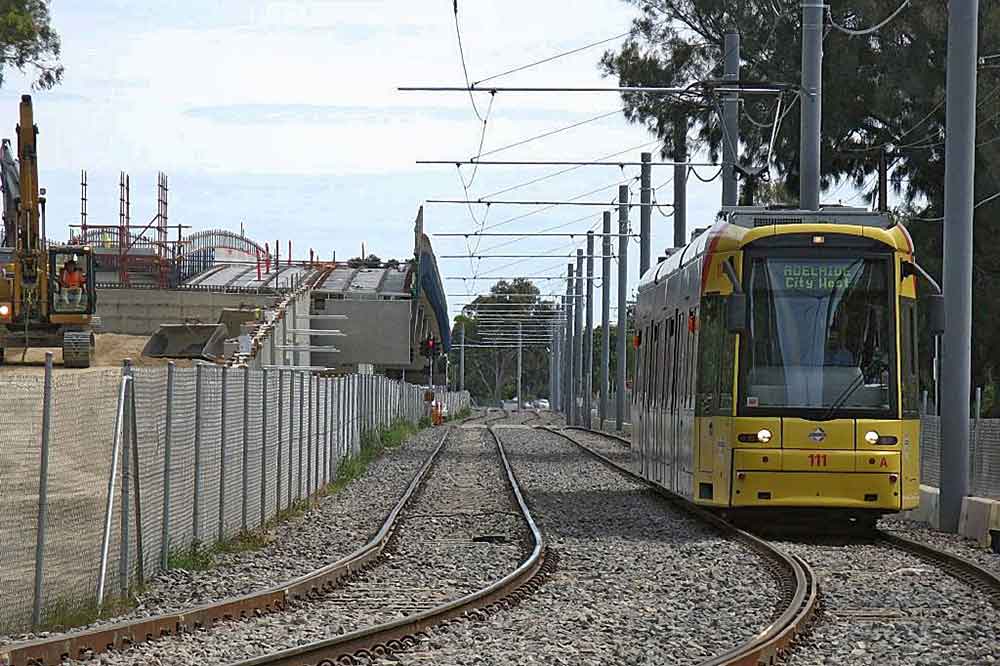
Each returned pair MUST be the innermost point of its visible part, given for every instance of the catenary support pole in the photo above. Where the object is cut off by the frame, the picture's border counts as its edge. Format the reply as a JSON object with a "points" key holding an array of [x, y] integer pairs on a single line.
{"points": [[461, 360], [588, 338], [645, 213], [622, 306], [570, 306], [578, 342], [605, 317], [520, 401], [731, 121], [680, 187], [956, 350], [811, 102], [220, 532]]}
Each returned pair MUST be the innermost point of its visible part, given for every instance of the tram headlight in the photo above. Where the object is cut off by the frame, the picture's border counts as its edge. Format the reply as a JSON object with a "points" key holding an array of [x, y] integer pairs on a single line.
{"points": [[764, 435], [4, 310], [871, 437]]}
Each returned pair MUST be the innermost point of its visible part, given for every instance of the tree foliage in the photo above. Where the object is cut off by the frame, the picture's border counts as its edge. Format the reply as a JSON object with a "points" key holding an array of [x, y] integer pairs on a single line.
{"points": [[883, 92], [28, 41], [491, 374]]}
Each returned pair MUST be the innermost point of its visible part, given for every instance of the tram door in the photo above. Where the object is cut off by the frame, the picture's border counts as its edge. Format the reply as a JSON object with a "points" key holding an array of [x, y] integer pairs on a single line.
{"points": [[673, 421]]}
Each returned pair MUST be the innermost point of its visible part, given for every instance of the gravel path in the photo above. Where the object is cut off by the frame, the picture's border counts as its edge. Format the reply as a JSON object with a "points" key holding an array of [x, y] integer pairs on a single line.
{"points": [[885, 607], [952, 543], [338, 525], [436, 557], [636, 583]]}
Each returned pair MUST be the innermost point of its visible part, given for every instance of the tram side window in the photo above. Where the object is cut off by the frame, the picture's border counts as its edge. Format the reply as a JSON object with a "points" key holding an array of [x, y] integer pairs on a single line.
{"points": [[910, 381], [709, 344], [692, 355], [669, 367]]}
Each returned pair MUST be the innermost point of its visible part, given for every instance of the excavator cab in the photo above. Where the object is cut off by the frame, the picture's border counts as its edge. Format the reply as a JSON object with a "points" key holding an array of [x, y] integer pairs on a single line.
{"points": [[71, 289]]}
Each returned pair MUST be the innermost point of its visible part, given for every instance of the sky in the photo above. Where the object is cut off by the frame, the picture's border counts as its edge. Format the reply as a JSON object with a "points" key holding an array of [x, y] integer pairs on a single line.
{"points": [[284, 116]]}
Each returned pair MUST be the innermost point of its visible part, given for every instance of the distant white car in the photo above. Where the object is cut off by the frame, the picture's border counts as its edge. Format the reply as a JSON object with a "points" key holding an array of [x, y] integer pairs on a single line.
{"points": [[542, 403]]}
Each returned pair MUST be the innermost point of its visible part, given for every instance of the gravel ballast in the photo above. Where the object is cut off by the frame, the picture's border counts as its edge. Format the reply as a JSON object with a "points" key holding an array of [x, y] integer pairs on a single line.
{"points": [[439, 554], [951, 543], [885, 607], [637, 581], [338, 524]]}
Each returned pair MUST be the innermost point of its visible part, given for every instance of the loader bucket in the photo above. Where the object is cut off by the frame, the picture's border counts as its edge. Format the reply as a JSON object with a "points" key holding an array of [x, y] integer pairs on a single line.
{"points": [[234, 318], [199, 341]]}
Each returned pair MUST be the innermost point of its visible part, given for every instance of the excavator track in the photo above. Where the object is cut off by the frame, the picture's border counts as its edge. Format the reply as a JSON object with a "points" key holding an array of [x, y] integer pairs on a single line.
{"points": [[78, 349]]}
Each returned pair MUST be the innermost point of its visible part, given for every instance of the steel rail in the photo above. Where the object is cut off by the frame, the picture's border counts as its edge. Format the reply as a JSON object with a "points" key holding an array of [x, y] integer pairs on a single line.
{"points": [[957, 567], [84, 644], [363, 645], [773, 640]]}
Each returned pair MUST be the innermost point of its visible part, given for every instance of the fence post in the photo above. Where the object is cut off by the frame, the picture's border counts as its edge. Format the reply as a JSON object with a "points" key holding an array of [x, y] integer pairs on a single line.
{"points": [[302, 414], [263, 448], [245, 498], [167, 446], [973, 448], [328, 403], [110, 504], [43, 493], [309, 436], [221, 527], [291, 431], [123, 555], [195, 512], [281, 437]]}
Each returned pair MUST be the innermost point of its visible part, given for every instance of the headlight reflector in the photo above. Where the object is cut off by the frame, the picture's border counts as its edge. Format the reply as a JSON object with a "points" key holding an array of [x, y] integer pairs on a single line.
{"points": [[764, 435], [871, 437]]}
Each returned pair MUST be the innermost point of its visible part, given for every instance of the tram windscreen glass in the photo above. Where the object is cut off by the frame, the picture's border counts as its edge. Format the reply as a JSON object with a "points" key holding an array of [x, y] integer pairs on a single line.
{"points": [[820, 334]]}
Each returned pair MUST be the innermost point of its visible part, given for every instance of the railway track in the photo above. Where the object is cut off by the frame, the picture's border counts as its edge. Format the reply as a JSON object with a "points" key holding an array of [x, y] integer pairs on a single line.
{"points": [[101, 638], [877, 556], [456, 495], [798, 582]]}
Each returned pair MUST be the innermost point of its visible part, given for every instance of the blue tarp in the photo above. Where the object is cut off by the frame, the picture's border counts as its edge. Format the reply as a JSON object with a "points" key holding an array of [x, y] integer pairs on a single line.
{"points": [[431, 287]]}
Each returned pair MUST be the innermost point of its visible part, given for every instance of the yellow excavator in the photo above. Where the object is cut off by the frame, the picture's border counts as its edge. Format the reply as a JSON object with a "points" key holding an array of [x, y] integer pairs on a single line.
{"points": [[47, 292]]}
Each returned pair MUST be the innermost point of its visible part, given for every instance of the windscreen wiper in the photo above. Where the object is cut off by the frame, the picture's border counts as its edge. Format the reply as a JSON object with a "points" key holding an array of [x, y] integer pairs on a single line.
{"points": [[874, 366]]}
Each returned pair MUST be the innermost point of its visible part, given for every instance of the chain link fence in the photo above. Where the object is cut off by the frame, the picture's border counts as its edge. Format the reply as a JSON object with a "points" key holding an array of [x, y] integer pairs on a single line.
{"points": [[202, 454], [984, 455]]}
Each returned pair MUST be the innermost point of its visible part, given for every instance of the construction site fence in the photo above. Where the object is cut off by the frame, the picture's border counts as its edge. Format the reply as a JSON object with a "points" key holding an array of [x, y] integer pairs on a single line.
{"points": [[106, 474], [984, 455]]}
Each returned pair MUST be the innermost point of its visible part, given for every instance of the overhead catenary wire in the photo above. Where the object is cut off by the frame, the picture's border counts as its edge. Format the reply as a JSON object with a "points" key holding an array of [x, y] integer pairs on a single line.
{"points": [[866, 31], [978, 205], [551, 58]]}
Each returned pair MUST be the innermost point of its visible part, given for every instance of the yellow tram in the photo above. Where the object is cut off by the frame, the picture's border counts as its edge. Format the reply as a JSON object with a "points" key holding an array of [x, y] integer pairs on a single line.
{"points": [[777, 363]]}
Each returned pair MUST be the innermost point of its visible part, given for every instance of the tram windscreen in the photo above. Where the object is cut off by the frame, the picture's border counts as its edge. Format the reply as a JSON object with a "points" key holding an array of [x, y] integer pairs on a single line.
{"points": [[820, 334]]}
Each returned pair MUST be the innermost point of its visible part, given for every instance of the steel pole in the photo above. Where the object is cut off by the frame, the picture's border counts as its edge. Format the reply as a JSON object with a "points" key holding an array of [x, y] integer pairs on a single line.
{"points": [[461, 360], [622, 306], [605, 317], [588, 337], [956, 350], [645, 213], [731, 122], [167, 471], [43, 494], [811, 103], [520, 402], [568, 398], [680, 187], [578, 342]]}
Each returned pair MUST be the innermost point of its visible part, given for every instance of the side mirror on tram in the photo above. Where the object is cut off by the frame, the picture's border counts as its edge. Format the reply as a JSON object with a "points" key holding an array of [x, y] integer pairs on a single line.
{"points": [[935, 314], [736, 313]]}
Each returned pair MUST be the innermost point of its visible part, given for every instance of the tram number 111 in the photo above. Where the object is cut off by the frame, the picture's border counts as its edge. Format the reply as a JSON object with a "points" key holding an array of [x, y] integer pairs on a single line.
{"points": [[817, 460]]}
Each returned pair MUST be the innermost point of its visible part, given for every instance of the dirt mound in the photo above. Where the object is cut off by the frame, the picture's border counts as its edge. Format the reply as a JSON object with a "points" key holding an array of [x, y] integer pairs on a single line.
{"points": [[112, 349]]}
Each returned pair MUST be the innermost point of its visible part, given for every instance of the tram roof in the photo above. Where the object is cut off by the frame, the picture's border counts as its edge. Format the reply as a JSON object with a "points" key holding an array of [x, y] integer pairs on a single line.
{"points": [[738, 222]]}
